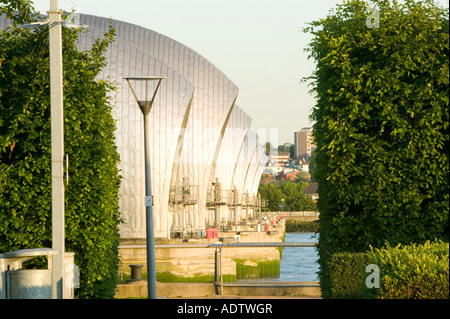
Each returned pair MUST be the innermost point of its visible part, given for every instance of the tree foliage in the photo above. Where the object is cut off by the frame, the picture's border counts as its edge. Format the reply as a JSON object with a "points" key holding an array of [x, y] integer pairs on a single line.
{"points": [[272, 195], [294, 199], [91, 208], [381, 126]]}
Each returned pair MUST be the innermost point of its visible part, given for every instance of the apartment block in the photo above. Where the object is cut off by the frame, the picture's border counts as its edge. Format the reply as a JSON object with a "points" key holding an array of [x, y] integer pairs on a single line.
{"points": [[303, 143]]}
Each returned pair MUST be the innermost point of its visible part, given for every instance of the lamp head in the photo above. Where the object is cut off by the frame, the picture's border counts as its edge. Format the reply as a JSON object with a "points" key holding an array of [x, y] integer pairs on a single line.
{"points": [[145, 103]]}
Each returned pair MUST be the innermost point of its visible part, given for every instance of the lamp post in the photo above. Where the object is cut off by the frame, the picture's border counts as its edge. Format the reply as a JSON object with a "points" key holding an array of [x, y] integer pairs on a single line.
{"points": [[145, 105]]}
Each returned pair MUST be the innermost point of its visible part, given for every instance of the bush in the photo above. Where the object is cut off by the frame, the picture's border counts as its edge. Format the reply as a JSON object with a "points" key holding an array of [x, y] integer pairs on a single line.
{"points": [[412, 271], [406, 272], [347, 275], [295, 226], [381, 126], [91, 208]]}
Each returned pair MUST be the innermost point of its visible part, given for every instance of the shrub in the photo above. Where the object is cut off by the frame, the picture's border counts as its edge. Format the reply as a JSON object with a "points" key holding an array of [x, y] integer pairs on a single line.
{"points": [[381, 126], [347, 275], [91, 208], [406, 272], [294, 226], [412, 271]]}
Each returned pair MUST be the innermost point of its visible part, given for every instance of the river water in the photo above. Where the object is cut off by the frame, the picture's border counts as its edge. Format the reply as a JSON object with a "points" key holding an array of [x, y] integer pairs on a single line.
{"points": [[299, 263]]}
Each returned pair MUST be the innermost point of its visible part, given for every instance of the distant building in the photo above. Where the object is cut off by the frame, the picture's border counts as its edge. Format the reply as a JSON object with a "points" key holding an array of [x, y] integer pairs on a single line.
{"points": [[267, 179], [303, 167], [272, 170], [279, 159], [303, 143], [311, 190], [288, 176]]}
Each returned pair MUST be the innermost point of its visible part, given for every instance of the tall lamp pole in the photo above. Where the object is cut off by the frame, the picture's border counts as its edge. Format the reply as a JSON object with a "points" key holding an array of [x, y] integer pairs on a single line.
{"points": [[145, 105], [57, 148]]}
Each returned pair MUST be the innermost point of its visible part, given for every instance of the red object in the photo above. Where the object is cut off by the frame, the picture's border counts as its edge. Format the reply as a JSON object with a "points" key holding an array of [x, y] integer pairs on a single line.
{"points": [[271, 221], [211, 233], [267, 227]]}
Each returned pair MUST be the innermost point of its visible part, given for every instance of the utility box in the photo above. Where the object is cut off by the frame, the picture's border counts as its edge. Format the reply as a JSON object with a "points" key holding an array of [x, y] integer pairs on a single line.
{"points": [[18, 283], [211, 233]]}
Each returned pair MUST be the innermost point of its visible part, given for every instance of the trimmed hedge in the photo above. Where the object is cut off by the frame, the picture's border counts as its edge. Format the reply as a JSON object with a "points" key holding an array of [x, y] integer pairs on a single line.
{"points": [[406, 272], [347, 275], [296, 226], [412, 271]]}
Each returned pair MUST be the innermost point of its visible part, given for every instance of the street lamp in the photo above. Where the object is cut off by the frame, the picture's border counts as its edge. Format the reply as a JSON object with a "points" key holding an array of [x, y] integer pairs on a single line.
{"points": [[145, 104]]}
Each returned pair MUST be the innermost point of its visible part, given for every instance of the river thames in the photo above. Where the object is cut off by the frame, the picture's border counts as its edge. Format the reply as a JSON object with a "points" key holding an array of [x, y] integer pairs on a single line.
{"points": [[299, 263]]}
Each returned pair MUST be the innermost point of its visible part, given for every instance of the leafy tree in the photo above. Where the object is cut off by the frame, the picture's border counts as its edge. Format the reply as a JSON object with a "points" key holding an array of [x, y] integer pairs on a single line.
{"points": [[292, 151], [381, 126], [288, 189], [269, 148], [272, 194], [302, 176], [92, 215], [286, 147], [294, 199]]}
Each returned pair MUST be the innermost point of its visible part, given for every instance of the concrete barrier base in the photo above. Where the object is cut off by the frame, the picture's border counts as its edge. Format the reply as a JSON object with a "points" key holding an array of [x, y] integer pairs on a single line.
{"points": [[199, 290]]}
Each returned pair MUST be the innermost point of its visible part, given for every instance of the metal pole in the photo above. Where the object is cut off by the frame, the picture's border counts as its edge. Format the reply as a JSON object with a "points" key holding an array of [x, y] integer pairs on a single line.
{"points": [[221, 270], [57, 149], [216, 265], [145, 106], [151, 264], [216, 217]]}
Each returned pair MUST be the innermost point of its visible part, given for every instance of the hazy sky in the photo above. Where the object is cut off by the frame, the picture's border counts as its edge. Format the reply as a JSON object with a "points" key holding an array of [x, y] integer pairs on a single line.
{"points": [[258, 44]]}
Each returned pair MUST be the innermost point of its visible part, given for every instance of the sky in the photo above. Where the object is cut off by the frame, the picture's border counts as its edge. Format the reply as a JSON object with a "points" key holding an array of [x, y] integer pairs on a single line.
{"points": [[258, 44]]}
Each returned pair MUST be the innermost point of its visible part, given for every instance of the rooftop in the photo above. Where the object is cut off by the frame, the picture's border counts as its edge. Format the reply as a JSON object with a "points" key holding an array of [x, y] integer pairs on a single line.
{"points": [[310, 189]]}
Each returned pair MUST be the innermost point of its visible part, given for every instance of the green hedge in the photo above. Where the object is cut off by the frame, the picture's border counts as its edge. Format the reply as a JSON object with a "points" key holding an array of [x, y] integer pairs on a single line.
{"points": [[381, 126], [295, 226], [406, 272], [412, 271], [347, 277], [91, 197]]}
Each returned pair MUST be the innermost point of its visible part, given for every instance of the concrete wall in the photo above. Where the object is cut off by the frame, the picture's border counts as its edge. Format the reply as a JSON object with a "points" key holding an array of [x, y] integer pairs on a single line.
{"points": [[200, 261], [302, 218], [306, 216], [199, 290]]}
